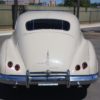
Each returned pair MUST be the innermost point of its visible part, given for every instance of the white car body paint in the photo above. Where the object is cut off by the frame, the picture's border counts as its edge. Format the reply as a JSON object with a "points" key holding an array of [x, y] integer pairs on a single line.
{"points": [[44, 50]]}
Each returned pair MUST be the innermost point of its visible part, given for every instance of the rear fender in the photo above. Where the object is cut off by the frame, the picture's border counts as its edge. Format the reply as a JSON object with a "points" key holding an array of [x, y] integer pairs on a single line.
{"points": [[93, 62], [81, 55], [10, 52]]}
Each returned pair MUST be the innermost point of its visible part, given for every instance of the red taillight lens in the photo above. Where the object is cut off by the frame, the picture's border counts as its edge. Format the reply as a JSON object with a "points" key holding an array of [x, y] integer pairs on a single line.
{"points": [[17, 67], [10, 64], [84, 65], [77, 68]]}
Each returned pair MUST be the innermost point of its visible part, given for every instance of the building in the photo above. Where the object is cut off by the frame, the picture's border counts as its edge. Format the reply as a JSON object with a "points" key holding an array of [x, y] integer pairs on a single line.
{"points": [[36, 1], [20, 2], [26, 2], [52, 3]]}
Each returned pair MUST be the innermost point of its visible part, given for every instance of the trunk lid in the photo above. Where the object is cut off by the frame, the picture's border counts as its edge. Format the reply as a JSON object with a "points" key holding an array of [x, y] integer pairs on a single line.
{"points": [[47, 50]]}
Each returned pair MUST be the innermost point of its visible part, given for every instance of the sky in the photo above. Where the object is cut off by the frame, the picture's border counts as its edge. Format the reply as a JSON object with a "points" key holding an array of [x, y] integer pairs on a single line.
{"points": [[60, 1], [92, 1], [95, 1]]}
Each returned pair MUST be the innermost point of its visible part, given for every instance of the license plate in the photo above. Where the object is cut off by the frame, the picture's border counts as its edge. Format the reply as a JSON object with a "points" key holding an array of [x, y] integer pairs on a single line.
{"points": [[47, 84]]}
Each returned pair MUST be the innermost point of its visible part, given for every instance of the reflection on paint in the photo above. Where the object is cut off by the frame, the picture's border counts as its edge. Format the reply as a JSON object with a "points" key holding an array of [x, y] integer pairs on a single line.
{"points": [[56, 62]]}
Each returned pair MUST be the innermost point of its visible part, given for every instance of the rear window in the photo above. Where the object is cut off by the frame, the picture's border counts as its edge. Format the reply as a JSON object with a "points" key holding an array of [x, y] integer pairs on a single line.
{"points": [[47, 24]]}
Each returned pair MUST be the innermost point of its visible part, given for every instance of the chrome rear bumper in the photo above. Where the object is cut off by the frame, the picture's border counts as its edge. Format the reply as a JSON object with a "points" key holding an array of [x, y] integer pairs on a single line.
{"points": [[35, 78]]}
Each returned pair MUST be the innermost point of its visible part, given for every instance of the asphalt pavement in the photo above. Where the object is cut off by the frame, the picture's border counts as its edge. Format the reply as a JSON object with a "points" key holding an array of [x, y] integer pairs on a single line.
{"points": [[56, 93]]}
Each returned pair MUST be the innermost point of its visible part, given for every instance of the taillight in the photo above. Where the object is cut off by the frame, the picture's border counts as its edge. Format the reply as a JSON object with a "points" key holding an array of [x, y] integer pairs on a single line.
{"points": [[17, 67], [10, 64], [77, 68], [84, 65]]}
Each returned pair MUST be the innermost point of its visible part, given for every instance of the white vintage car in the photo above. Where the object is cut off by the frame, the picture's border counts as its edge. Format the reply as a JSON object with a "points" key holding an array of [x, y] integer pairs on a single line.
{"points": [[47, 48]]}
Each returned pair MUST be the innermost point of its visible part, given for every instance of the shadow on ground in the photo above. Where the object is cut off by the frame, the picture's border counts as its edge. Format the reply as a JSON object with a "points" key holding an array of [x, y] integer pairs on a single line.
{"points": [[41, 93]]}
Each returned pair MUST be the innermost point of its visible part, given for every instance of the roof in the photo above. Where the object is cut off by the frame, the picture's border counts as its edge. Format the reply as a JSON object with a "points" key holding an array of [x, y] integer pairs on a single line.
{"points": [[31, 15], [47, 14]]}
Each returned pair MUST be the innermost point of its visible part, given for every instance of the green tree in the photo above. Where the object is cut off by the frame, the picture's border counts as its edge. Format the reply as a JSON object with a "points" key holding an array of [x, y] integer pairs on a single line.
{"points": [[76, 4], [83, 3], [69, 3]]}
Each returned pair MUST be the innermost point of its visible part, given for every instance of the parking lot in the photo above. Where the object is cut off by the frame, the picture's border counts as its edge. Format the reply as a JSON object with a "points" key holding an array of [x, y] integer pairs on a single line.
{"points": [[56, 93]]}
